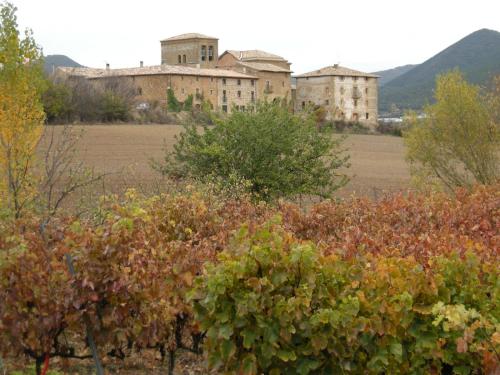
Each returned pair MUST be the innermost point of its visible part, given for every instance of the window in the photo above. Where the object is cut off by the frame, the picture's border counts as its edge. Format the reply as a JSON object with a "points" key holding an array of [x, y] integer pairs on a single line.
{"points": [[224, 97], [283, 83], [327, 102], [303, 105], [242, 108], [139, 91], [239, 94], [184, 59], [223, 81], [224, 108], [355, 103], [203, 53], [179, 59], [341, 78], [342, 90], [355, 79], [366, 91], [237, 107], [367, 115], [211, 92], [210, 53], [197, 91], [252, 82], [268, 87], [355, 117], [252, 95], [239, 82], [366, 79]]}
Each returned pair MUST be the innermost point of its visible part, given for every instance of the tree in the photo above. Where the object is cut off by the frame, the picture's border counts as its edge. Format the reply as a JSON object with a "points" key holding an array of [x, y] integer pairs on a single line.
{"points": [[278, 153], [172, 102], [21, 111], [188, 103], [457, 142], [57, 102]]}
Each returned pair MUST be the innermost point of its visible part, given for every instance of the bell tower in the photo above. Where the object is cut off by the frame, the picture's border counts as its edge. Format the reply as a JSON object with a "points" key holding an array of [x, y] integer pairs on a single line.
{"points": [[190, 50]]}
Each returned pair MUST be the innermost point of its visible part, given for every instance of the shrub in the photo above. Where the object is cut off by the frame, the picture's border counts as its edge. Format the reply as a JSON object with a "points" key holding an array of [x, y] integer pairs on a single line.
{"points": [[279, 153]]}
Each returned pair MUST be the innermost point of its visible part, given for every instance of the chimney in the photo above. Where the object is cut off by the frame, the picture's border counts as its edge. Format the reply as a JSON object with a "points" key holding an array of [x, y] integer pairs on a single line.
{"points": [[141, 63], [107, 66]]}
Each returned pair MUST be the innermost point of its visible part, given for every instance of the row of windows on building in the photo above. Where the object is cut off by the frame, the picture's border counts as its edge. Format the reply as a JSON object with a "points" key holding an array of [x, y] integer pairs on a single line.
{"points": [[344, 78], [238, 94], [342, 103]]}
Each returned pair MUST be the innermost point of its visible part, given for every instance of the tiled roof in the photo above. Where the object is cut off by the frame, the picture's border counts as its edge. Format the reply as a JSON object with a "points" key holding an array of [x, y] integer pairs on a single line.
{"points": [[153, 70], [255, 54], [265, 67], [336, 70], [188, 36]]}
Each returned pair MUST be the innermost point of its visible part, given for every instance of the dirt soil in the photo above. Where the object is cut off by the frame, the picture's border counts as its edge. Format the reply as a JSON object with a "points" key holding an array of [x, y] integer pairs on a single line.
{"points": [[125, 151]]}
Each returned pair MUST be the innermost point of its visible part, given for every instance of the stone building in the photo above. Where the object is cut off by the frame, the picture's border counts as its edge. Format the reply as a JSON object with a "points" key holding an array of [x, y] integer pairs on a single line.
{"points": [[273, 72], [346, 94], [190, 65], [223, 89]]}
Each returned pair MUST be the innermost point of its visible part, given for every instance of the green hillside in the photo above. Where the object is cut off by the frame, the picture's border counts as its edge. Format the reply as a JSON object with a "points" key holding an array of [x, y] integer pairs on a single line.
{"points": [[388, 75], [53, 61], [477, 56]]}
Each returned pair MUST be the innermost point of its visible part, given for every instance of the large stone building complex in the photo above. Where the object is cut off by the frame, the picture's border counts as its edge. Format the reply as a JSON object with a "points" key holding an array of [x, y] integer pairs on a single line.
{"points": [[236, 80]]}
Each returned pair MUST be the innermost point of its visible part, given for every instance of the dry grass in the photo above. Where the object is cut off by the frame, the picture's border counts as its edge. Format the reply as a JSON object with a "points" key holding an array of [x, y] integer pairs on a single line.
{"points": [[124, 151]]}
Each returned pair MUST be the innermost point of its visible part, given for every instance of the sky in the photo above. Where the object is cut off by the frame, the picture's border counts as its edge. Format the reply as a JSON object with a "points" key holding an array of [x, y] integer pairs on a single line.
{"points": [[366, 35]]}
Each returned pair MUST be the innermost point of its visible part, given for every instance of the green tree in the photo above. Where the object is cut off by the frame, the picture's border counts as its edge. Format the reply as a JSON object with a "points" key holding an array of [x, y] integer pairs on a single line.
{"points": [[457, 142], [278, 153], [172, 102], [188, 103], [57, 102], [21, 111]]}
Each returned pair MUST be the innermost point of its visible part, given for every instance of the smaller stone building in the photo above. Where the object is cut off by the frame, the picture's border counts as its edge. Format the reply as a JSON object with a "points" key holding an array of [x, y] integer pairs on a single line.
{"points": [[273, 71], [346, 94]]}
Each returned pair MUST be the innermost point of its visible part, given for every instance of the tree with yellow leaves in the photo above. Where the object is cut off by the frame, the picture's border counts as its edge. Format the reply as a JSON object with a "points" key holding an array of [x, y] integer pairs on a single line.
{"points": [[457, 142], [21, 112]]}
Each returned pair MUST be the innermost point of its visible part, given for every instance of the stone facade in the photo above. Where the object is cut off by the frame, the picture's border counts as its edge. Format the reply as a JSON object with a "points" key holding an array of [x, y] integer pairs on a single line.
{"points": [[346, 94], [190, 50], [273, 72]]}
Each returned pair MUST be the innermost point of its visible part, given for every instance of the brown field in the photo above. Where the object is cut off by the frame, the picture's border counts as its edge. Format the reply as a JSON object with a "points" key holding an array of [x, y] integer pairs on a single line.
{"points": [[124, 152]]}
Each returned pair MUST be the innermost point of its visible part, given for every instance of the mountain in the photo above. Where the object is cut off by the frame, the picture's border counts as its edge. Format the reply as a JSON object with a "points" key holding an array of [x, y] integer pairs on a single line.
{"points": [[52, 61], [477, 56], [390, 74]]}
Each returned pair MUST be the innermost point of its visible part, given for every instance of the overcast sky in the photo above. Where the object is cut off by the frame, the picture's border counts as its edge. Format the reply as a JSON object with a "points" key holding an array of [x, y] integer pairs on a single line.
{"points": [[367, 35]]}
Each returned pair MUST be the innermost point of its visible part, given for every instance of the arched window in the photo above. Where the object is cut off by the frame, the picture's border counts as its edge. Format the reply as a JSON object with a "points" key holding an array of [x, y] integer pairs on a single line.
{"points": [[184, 59], [179, 59]]}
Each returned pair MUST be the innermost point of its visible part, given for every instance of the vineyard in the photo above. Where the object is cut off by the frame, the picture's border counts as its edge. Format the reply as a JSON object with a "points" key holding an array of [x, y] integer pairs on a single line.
{"points": [[408, 284]]}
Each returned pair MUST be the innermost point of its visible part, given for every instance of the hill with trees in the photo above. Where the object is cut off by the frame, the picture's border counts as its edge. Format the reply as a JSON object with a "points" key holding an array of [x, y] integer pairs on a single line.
{"points": [[53, 61], [390, 74], [477, 56]]}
